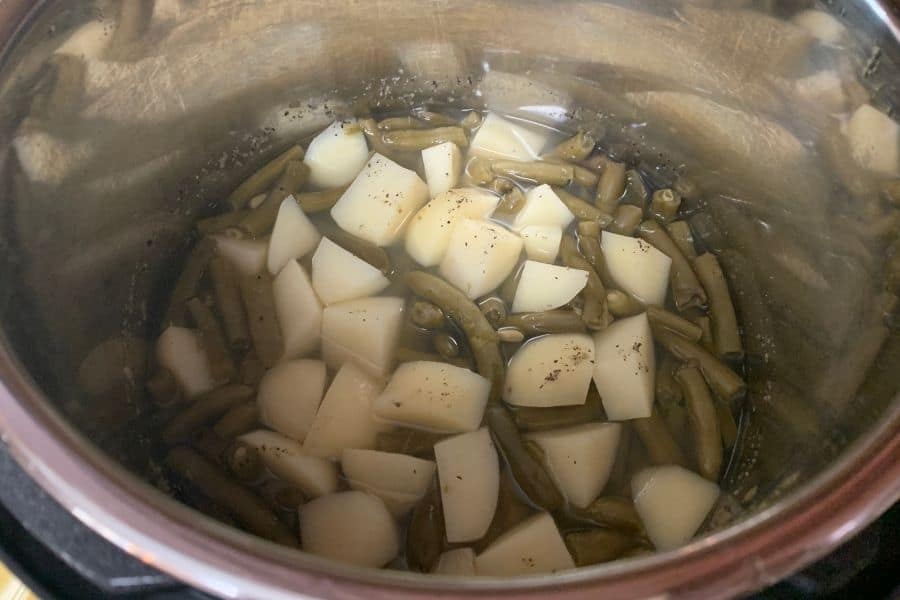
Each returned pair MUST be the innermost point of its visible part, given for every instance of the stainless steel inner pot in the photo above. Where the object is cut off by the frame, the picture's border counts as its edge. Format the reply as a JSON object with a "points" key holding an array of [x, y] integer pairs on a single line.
{"points": [[123, 121]]}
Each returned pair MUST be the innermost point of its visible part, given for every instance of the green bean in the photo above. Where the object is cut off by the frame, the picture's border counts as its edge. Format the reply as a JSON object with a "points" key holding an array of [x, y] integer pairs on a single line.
{"points": [[527, 470], [204, 410], [507, 290], [481, 336], [393, 123], [163, 388], [316, 202], [582, 209], [511, 202], [445, 345], [686, 288], [721, 310], [612, 511], [256, 291], [510, 335], [610, 187], [189, 281], [510, 512], [436, 119], [660, 317], [596, 312], [228, 300], [426, 315], [578, 147], [668, 392], [425, 535], [471, 120], [405, 355], [249, 510], [590, 248], [221, 364], [704, 421], [539, 419], [550, 321], [706, 336], [501, 185], [637, 551], [622, 304], [635, 191], [211, 446], [408, 441], [588, 229], [535, 171], [597, 162], [219, 223], [282, 496], [244, 461], [681, 235], [252, 369], [479, 170], [414, 140], [263, 179], [727, 384], [261, 219], [664, 205], [363, 249], [580, 175], [494, 310], [626, 219], [65, 96], [134, 17], [596, 546], [239, 420], [662, 449]]}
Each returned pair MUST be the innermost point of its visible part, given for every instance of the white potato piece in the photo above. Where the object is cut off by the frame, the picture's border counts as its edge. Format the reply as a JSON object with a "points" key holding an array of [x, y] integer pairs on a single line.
{"points": [[625, 368], [181, 352], [429, 230], [336, 155], [283, 456], [298, 310], [823, 88], [639, 268], [344, 419], [293, 235], [542, 207], [289, 396], [88, 41], [247, 257], [434, 396], [350, 527], [551, 370], [480, 255], [459, 561], [820, 25], [397, 503], [399, 480], [365, 331], [469, 474], [501, 138], [580, 458], [380, 201], [339, 275], [874, 141], [545, 287], [541, 242], [443, 164], [672, 503], [531, 547]]}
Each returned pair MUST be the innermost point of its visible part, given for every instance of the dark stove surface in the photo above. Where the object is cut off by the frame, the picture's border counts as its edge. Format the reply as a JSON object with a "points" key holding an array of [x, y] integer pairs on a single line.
{"points": [[58, 557]]}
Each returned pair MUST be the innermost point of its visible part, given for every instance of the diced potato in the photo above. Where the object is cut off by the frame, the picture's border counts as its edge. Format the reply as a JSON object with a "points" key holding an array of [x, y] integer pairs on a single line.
{"points": [[351, 527], [541, 242], [429, 230], [874, 141], [247, 257], [434, 396], [469, 475], [625, 368], [639, 268], [459, 561], [283, 456], [672, 503], [344, 419], [542, 207], [336, 155], [580, 458], [293, 236], [551, 370], [500, 138], [398, 479], [364, 331], [289, 395], [531, 547], [820, 25], [545, 287], [181, 352], [298, 310], [380, 201], [823, 88], [480, 256], [397, 503], [339, 275], [443, 164]]}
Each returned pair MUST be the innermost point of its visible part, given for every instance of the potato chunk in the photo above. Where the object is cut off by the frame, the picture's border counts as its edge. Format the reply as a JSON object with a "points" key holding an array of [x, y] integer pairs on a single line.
{"points": [[180, 351], [293, 236], [625, 368], [364, 331], [429, 230], [542, 242], [551, 370], [339, 275], [289, 395], [501, 138], [298, 310], [443, 164], [639, 268], [336, 155], [542, 207], [285, 458], [531, 547], [545, 287], [480, 256]]}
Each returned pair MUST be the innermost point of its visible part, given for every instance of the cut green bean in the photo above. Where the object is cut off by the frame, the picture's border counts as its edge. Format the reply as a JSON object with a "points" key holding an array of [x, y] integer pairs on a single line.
{"points": [[527, 470], [511, 202], [668, 392], [626, 219], [706, 337], [727, 425], [582, 176], [134, 18], [415, 140], [510, 512], [479, 170], [219, 223], [66, 93], [494, 310], [203, 411], [578, 147], [471, 120], [436, 119], [445, 345], [426, 315], [252, 369], [239, 420], [595, 546], [282, 496], [727, 384], [316, 202], [260, 220], [213, 483], [664, 205], [256, 291], [622, 304], [263, 179], [610, 187], [482, 339], [660, 317], [588, 229], [539, 419], [662, 449], [535, 171], [703, 420], [211, 446], [582, 209], [221, 364], [596, 312], [550, 321], [612, 511], [681, 235], [363, 249], [244, 462], [590, 248], [510, 335], [686, 288], [425, 535], [392, 123], [189, 281], [228, 300], [721, 310], [507, 290], [636, 192], [408, 441], [163, 388]]}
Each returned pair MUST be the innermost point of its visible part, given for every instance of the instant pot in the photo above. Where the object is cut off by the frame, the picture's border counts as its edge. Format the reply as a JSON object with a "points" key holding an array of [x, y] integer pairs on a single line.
{"points": [[123, 122]]}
